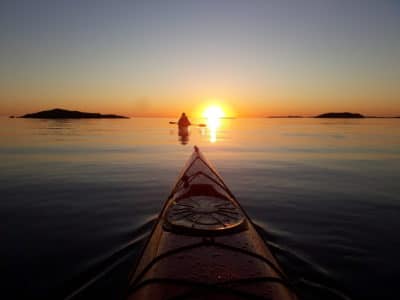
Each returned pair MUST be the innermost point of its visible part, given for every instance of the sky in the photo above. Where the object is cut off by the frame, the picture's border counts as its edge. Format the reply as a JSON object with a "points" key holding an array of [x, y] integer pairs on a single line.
{"points": [[159, 58]]}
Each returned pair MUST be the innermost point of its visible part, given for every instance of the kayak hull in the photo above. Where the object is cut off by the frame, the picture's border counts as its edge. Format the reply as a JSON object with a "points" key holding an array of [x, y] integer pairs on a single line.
{"points": [[205, 246]]}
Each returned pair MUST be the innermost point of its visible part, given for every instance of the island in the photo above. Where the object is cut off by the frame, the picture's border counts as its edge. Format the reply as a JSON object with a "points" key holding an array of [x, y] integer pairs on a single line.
{"points": [[341, 115], [59, 113]]}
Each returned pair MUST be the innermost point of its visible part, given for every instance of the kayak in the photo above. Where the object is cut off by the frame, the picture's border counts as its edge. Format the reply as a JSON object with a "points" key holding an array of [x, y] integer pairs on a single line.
{"points": [[198, 125], [204, 246]]}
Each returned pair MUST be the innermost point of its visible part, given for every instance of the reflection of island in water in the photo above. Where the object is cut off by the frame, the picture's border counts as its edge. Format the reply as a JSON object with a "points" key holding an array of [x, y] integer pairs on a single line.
{"points": [[58, 113], [183, 133]]}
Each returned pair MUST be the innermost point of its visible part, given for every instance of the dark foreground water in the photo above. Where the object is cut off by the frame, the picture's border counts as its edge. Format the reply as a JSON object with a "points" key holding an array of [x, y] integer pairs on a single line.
{"points": [[79, 197]]}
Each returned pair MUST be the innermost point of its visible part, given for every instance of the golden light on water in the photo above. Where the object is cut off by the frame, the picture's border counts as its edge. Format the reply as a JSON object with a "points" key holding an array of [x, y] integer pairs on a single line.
{"points": [[213, 114]]}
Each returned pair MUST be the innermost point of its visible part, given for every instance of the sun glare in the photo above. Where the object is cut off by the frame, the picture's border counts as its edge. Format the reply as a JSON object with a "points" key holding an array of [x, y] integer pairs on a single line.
{"points": [[213, 115], [213, 112]]}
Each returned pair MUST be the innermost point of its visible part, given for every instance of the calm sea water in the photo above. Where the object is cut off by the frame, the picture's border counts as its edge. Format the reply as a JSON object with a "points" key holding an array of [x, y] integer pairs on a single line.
{"points": [[77, 196]]}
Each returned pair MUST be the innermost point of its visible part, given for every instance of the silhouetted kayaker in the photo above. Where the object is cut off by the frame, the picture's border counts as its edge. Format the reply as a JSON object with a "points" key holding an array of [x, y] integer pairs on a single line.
{"points": [[184, 121]]}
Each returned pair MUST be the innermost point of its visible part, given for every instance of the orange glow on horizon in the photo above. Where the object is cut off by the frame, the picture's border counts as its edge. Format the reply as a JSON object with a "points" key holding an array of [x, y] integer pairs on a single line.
{"points": [[195, 107]]}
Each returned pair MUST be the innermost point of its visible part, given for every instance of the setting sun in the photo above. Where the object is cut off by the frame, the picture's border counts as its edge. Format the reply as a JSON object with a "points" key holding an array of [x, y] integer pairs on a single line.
{"points": [[213, 112]]}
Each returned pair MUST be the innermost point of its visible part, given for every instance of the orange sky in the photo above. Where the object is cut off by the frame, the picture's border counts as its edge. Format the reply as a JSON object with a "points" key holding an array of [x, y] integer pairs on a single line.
{"points": [[146, 107]]}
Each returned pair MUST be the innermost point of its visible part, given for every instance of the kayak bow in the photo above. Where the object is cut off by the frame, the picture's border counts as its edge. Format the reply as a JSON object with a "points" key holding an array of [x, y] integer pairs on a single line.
{"points": [[198, 125], [204, 245]]}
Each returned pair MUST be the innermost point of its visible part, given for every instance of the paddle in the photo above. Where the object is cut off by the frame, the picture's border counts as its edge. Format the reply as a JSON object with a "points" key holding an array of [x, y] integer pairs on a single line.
{"points": [[200, 125]]}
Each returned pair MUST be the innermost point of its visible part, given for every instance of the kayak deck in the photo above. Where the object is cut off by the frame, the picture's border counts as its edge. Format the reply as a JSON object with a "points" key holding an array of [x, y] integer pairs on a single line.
{"points": [[205, 246]]}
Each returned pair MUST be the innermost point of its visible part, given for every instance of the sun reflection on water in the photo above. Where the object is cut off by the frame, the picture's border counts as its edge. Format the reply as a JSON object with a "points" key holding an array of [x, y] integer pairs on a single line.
{"points": [[213, 115], [213, 124]]}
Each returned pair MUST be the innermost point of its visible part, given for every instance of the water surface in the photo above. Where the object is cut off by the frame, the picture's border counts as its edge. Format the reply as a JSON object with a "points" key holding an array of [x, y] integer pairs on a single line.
{"points": [[75, 193]]}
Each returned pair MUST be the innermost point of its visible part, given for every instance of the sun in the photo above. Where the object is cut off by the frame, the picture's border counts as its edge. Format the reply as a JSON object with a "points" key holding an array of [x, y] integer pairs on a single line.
{"points": [[213, 113]]}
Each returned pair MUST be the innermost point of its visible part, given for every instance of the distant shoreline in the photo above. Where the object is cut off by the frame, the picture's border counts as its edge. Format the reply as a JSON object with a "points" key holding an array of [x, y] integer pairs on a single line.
{"points": [[314, 117], [334, 115], [286, 117], [59, 113]]}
